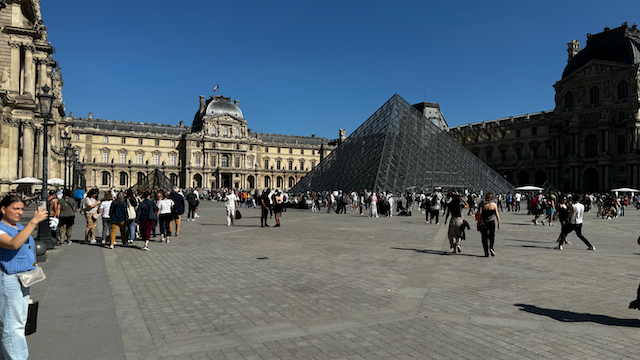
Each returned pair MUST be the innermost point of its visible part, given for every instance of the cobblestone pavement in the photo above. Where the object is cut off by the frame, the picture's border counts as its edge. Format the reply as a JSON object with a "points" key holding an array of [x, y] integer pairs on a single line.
{"points": [[327, 286]]}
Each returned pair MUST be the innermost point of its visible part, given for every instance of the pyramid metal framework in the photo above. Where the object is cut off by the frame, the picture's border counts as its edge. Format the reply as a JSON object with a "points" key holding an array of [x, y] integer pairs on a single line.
{"points": [[154, 181], [398, 149]]}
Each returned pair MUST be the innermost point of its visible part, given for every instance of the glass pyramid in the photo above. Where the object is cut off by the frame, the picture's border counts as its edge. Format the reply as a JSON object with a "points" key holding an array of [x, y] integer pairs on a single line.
{"points": [[156, 180], [398, 149]]}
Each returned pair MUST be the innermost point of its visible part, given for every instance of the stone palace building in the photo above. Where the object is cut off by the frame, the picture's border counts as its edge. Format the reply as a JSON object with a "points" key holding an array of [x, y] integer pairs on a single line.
{"points": [[590, 141], [217, 150]]}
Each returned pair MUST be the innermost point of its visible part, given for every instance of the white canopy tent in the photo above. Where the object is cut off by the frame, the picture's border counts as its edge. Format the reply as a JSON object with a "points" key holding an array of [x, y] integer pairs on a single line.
{"points": [[529, 188], [28, 180], [56, 181]]}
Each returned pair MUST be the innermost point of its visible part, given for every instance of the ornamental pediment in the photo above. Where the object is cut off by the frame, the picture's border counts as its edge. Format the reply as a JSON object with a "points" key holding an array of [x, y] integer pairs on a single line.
{"points": [[595, 68]]}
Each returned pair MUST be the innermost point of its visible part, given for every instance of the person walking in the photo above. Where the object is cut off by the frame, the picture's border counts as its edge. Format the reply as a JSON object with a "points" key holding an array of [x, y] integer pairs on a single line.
{"points": [[455, 225], [165, 205], [563, 217], [178, 201], [374, 205], [105, 210], [132, 206], [17, 255], [146, 218], [264, 205], [78, 195], [90, 209], [277, 207], [192, 202], [118, 217], [489, 214], [67, 217], [576, 214], [230, 205]]}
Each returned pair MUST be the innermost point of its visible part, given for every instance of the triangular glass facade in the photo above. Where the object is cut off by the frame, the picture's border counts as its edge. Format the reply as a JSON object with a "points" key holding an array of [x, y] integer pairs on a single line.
{"points": [[398, 149], [156, 180]]}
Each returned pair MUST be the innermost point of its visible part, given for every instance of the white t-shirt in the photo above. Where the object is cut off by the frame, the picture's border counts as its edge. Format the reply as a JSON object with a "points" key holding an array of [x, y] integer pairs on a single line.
{"points": [[230, 200], [578, 212], [518, 196], [105, 206], [165, 206]]}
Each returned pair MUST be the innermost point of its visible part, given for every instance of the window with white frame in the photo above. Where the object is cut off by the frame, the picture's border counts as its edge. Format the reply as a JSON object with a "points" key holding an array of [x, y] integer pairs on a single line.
{"points": [[140, 159], [251, 163], [156, 159], [225, 131], [173, 143], [105, 139], [140, 142], [76, 137], [197, 160], [237, 162], [237, 133], [224, 161], [213, 131], [105, 157], [172, 160], [123, 158]]}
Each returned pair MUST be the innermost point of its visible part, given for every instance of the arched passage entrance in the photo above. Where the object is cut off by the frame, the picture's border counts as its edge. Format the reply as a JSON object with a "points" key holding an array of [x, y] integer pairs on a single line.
{"points": [[523, 178], [540, 177], [591, 180]]}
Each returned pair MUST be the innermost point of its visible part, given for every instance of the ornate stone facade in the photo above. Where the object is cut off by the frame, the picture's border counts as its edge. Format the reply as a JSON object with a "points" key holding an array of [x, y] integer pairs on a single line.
{"points": [[26, 65], [218, 150], [590, 141]]}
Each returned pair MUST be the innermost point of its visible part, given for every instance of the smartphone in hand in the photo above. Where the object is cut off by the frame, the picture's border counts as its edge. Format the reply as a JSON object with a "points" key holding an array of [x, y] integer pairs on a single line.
{"points": [[42, 205]]}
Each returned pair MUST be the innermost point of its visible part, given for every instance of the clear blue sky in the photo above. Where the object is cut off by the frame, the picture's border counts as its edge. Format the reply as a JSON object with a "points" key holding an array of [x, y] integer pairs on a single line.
{"points": [[311, 67]]}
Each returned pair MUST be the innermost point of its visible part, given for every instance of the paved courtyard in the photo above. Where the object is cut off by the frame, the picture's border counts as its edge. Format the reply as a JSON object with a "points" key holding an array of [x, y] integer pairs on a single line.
{"points": [[327, 286]]}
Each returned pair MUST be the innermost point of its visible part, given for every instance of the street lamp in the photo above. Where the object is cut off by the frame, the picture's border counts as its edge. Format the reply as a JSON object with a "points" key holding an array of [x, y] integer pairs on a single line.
{"points": [[273, 186], [66, 142], [46, 102], [256, 179], [163, 166]]}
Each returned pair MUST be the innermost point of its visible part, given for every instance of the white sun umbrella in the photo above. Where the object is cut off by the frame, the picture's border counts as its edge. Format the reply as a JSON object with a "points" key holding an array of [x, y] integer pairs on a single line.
{"points": [[56, 181], [625, 190], [28, 180], [529, 188]]}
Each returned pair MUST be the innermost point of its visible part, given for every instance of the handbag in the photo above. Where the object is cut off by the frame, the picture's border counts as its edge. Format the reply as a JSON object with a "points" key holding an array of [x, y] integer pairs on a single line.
{"points": [[31, 277], [238, 215], [32, 318], [131, 211]]}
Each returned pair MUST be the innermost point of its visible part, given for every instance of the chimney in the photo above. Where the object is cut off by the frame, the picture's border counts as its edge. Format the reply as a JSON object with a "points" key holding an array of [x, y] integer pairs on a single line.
{"points": [[343, 136], [573, 48], [237, 102], [201, 103], [313, 136], [181, 123], [90, 116]]}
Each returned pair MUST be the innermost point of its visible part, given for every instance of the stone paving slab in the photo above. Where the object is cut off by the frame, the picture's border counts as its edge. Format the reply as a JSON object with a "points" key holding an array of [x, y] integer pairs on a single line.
{"points": [[328, 286]]}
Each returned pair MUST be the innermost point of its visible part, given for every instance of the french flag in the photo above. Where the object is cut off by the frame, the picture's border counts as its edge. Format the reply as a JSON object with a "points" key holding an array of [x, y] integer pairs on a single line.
{"points": [[215, 88]]}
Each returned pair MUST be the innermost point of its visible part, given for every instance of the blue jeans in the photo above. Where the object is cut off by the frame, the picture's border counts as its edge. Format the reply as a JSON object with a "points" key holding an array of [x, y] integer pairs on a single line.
{"points": [[131, 229], [14, 305]]}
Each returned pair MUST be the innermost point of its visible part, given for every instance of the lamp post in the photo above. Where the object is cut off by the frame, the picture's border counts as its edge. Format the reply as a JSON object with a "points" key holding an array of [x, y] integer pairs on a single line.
{"points": [[46, 102], [164, 165], [66, 140], [255, 185], [273, 186]]}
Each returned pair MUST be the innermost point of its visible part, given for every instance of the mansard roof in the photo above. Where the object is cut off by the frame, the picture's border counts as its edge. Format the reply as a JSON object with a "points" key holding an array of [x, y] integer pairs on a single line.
{"points": [[621, 45], [129, 126], [289, 139]]}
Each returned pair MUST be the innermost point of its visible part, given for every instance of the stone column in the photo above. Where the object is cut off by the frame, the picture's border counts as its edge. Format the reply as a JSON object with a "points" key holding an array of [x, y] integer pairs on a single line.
{"points": [[42, 78], [13, 150], [28, 150], [606, 141], [29, 72], [38, 156]]}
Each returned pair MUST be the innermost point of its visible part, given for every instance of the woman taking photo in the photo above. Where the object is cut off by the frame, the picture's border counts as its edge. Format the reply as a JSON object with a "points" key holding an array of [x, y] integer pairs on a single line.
{"points": [[489, 213], [17, 255]]}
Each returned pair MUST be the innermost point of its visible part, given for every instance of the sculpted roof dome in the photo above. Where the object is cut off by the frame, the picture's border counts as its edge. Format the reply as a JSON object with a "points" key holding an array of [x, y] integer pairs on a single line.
{"points": [[220, 105], [620, 45]]}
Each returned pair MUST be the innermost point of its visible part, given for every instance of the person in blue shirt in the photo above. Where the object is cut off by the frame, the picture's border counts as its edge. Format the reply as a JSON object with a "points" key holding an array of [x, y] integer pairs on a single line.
{"points": [[17, 255], [78, 195]]}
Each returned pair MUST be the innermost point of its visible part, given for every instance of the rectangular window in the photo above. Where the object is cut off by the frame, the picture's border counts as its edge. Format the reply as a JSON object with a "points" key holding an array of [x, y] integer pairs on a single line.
{"points": [[266, 164], [278, 150], [140, 161], [105, 139], [313, 152], [140, 142], [224, 161], [266, 149], [250, 163], [237, 162], [124, 140], [291, 151], [157, 142], [172, 160], [518, 133], [173, 144], [105, 157], [76, 137], [237, 133], [197, 160], [301, 151], [123, 158], [278, 164], [225, 131], [156, 159], [214, 161], [290, 165]]}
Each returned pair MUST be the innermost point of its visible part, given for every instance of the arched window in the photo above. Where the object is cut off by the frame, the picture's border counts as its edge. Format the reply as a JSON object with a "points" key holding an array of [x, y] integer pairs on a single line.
{"points": [[174, 178], [266, 182], [212, 131], [594, 95], [123, 179], [623, 89], [591, 145], [140, 177], [292, 182], [224, 161], [568, 100], [279, 182]]}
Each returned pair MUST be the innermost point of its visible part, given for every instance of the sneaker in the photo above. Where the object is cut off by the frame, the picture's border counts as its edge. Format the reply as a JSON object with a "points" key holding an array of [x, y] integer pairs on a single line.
{"points": [[145, 248], [130, 241], [559, 247], [534, 222], [196, 215], [167, 241], [493, 253], [459, 249], [104, 242], [93, 241], [592, 248], [111, 247]]}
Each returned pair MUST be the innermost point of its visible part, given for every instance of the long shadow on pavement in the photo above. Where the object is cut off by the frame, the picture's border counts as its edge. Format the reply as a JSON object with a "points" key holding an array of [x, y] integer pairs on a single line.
{"points": [[436, 252], [570, 316]]}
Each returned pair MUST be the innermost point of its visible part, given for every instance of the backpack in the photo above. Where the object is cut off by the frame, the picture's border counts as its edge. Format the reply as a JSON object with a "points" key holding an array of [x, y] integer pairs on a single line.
{"points": [[83, 206], [66, 209]]}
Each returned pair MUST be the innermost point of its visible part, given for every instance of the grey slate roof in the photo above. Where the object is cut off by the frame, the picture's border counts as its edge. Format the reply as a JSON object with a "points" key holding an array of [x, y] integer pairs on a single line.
{"points": [[290, 139], [101, 124]]}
